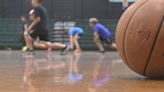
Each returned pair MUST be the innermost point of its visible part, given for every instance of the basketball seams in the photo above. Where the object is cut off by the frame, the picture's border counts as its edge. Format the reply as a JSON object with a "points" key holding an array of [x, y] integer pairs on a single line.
{"points": [[154, 44], [130, 20]]}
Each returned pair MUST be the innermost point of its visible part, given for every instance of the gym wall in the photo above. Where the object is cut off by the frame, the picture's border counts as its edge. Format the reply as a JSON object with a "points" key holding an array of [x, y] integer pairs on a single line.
{"points": [[64, 9]]}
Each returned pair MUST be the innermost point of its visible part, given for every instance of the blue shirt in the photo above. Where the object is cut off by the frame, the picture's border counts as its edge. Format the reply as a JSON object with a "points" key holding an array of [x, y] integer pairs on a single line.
{"points": [[102, 31], [75, 30]]}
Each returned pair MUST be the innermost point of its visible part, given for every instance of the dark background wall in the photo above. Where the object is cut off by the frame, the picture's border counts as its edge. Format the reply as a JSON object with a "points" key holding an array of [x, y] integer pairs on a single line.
{"points": [[64, 9], [58, 10]]}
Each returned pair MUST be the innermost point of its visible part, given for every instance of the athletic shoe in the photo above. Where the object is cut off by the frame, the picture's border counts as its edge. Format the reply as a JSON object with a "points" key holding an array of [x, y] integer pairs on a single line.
{"points": [[30, 52], [103, 52], [65, 50], [24, 49]]}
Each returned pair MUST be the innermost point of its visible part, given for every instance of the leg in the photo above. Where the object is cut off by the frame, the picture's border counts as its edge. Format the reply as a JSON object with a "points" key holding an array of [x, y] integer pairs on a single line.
{"points": [[98, 42], [65, 48], [42, 44], [28, 40], [22, 39], [71, 40], [109, 42], [77, 46], [49, 46], [58, 46], [24, 48]]}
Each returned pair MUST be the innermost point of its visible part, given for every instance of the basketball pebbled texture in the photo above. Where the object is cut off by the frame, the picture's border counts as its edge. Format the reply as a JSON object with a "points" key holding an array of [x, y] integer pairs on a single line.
{"points": [[140, 37]]}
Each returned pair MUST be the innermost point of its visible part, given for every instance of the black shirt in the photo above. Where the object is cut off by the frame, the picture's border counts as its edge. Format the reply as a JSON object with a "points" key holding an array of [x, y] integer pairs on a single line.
{"points": [[41, 12]]}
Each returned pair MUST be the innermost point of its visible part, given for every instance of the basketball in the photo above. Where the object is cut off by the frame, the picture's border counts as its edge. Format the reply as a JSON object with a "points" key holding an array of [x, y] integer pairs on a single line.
{"points": [[140, 36]]}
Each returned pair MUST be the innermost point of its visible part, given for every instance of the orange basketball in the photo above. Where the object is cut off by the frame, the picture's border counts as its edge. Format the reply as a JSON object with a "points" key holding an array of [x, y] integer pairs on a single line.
{"points": [[140, 37]]}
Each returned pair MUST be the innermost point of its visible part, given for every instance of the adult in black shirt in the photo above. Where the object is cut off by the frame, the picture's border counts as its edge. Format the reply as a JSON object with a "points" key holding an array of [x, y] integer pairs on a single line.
{"points": [[38, 15], [38, 37]]}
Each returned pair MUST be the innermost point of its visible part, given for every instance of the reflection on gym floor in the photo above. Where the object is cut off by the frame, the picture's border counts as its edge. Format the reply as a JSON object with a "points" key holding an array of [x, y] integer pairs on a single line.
{"points": [[75, 72], [42, 73]]}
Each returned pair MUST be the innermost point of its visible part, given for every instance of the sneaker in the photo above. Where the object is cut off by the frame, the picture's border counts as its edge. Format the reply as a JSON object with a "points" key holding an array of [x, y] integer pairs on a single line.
{"points": [[103, 52], [65, 50], [31, 52], [24, 49]]}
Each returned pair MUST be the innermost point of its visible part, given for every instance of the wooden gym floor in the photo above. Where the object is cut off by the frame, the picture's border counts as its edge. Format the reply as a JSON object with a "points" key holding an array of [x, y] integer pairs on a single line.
{"points": [[85, 72]]}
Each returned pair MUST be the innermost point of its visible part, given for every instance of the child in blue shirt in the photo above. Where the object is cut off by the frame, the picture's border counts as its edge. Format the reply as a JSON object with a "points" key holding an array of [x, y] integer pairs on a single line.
{"points": [[75, 33]]}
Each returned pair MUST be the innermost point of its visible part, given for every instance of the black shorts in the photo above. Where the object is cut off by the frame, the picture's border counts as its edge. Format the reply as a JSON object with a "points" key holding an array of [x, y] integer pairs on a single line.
{"points": [[41, 34], [107, 40], [79, 34]]}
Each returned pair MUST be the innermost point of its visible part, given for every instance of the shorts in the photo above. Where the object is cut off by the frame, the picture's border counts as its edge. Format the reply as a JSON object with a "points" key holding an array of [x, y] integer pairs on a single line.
{"points": [[41, 34], [80, 34], [106, 40]]}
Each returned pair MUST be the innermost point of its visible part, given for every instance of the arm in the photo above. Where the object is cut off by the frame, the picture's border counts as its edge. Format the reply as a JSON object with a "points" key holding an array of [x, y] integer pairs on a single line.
{"points": [[95, 34], [34, 23], [25, 26]]}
